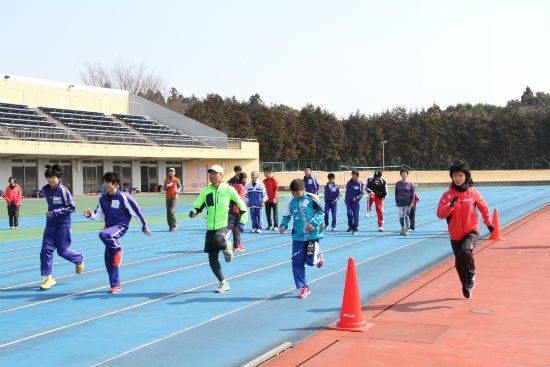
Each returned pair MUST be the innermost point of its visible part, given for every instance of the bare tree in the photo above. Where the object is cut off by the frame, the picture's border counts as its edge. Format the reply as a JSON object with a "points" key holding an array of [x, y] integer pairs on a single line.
{"points": [[133, 77]]}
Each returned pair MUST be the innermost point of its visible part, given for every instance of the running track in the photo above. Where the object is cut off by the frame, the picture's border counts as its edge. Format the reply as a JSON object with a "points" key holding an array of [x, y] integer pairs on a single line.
{"points": [[167, 313]]}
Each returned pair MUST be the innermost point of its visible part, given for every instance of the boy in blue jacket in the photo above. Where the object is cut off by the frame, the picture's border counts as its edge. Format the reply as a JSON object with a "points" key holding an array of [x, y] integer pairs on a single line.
{"points": [[57, 234], [310, 182], [354, 193], [307, 230], [332, 195], [117, 209]]}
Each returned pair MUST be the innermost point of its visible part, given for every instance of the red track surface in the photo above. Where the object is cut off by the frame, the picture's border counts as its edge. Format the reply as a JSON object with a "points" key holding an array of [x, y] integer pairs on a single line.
{"points": [[427, 322]]}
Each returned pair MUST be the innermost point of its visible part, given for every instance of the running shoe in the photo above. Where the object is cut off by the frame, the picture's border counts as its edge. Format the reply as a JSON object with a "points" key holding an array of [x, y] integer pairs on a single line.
{"points": [[258, 231], [275, 228], [405, 233], [304, 291], [12, 227], [269, 228], [402, 232], [321, 260], [16, 227], [171, 229], [117, 259], [349, 230], [239, 248], [253, 230], [466, 292], [79, 268], [354, 232], [333, 229], [228, 253], [381, 229], [223, 286], [115, 289], [48, 282], [472, 283], [368, 215]]}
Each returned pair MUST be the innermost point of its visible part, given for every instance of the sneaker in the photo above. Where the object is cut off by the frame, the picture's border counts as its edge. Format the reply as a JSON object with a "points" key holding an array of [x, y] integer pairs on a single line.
{"points": [[269, 229], [381, 229], [472, 283], [349, 230], [171, 229], [117, 259], [12, 227], [222, 287], [411, 229], [321, 261], [115, 289], [253, 230], [405, 233], [368, 215], [402, 232], [333, 229], [48, 282], [275, 228], [354, 232], [79, 268], [304, 291], [15, 227], [466, 292], [258, 231], [228, 253], [239, 248]]}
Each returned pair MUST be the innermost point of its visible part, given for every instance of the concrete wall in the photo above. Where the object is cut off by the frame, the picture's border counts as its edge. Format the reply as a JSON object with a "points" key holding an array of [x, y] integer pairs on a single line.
{"points": [[38, 92]]}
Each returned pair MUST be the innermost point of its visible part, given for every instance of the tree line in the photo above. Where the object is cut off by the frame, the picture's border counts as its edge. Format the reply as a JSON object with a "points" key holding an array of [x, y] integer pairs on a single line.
{"points": [[419, 138]]}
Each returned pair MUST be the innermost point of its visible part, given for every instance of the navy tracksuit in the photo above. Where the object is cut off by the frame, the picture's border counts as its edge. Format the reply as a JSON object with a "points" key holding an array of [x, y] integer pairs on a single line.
{"points": [[57, 234], [354, 189], [332, 194], [117, 211], [311, 185]]}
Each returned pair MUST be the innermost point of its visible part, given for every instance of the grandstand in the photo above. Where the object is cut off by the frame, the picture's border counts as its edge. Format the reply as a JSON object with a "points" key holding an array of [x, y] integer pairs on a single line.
{"points": [[92, 130]]}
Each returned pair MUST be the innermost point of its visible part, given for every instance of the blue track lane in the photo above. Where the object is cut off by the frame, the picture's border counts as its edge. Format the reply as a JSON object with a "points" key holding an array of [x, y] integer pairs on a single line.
{"points": [[167, 313]]}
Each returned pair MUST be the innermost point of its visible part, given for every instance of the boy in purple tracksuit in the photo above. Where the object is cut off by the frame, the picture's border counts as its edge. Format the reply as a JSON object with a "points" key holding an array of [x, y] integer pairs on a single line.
{"points": [[332, 195], [117, 209], [255, 197], [310, 182], [354, 193], [57, 234]]}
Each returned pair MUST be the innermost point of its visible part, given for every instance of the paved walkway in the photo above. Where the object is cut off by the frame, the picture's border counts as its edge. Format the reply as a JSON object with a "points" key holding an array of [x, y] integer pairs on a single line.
{"points": [[427, 322]]}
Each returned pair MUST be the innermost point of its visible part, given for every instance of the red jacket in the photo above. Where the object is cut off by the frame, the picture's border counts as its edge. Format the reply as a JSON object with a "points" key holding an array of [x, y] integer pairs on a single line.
{"points": [[13, 195], [272, 188], [241, 192], [464, 217]]}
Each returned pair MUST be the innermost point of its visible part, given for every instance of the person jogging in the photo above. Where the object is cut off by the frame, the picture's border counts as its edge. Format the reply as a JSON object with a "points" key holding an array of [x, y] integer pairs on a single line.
{"points": [[219, 198], [459, 206]]}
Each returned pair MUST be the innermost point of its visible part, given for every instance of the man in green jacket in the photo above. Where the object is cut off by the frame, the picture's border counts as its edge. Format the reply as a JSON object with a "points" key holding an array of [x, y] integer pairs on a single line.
{"points": [[219, 199]]}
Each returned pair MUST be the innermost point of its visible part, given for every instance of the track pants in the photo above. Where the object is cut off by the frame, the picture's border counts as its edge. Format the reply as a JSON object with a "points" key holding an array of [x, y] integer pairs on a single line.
{"points": [[109, 236], [379, 210], [304, 252], [404, 216], [256, 216], [464, 256], [235, 230], [353, 215], [171, 212], [13, 214], [60, 239], [268, 208], [333, 209], [412, 215]]}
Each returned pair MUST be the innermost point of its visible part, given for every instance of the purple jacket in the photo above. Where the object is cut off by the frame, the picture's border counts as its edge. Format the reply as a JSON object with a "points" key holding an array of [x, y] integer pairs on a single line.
{"points": [[332, 193], [60, 205], [354, 190], [404, 193], [312, 185], [118, 211]]}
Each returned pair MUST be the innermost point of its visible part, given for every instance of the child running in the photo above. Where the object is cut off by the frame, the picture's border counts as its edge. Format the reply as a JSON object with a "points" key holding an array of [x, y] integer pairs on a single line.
{"points": [[57, 234], [117, 209], [307, 230], [404, 198], [332, 195], [459, 207]]}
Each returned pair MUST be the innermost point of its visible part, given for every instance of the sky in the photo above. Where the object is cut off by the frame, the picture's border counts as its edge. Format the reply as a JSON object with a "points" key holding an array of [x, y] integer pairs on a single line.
{"points": [[344, 56]]}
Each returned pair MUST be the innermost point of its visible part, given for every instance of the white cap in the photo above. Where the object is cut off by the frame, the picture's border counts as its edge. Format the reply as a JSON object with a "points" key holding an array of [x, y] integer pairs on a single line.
{"points": [[216, 168], [172, 169]]}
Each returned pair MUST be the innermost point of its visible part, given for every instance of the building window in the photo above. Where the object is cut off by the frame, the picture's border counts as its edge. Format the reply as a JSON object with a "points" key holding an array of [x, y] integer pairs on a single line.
{"points": [[25, 171], [124, 169]]}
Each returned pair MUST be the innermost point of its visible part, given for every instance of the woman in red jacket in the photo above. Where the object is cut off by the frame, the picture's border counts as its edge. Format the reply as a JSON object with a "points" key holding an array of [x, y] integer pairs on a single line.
{"points": [[13, 199], [458, 206]]}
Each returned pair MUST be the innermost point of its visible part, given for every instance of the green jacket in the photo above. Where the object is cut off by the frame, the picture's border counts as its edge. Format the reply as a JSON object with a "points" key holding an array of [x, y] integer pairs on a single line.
{"points": [[219, 204]]}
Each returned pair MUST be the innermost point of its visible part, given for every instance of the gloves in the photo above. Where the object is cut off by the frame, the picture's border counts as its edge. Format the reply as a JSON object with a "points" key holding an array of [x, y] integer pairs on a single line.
{"points": [[491, 228], [241, 227], [452, 203], [191, 213]]}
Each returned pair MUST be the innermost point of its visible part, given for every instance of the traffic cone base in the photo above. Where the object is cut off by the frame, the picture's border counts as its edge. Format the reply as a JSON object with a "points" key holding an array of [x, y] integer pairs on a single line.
{"points": [[351, 316], [495, 235]]}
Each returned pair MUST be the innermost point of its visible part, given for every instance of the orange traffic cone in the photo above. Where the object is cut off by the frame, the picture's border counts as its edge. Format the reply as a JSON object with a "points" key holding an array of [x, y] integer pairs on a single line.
{"points": [[495, 235], [351, 316]]}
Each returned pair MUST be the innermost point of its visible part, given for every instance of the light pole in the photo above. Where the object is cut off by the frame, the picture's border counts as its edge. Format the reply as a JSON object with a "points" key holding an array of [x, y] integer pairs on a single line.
{"points": [[383, 162]]}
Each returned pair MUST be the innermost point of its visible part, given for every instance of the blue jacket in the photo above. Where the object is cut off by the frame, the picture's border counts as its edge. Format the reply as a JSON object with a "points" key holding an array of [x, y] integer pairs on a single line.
{"points": [[60, 205], [354, 190], [332, 193], [304, 211], [119, 211], [312, 185], [255, 195]]}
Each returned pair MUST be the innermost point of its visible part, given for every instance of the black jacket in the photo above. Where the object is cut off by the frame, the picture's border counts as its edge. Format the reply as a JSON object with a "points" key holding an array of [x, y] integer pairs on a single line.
{"points": [[378, 187]]}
